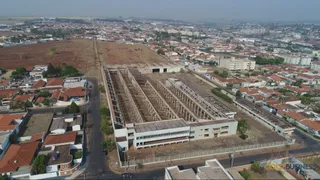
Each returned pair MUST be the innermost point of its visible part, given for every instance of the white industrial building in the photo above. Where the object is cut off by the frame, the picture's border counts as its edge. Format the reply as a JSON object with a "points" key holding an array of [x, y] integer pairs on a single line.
{"points": [[315, 66], [237, 64], [297, 60], [148, 112], [211, 170]]}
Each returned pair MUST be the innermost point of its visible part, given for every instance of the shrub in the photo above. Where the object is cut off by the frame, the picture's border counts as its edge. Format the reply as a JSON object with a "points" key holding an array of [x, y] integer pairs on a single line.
{"points": [[245, 174], [101, 88], [217, 92], [77, 155], [39, 164], [104, 111]]}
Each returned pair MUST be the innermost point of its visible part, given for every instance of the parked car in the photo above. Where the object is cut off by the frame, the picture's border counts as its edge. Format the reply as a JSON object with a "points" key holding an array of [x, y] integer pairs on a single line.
{"points": [[127, 176]]}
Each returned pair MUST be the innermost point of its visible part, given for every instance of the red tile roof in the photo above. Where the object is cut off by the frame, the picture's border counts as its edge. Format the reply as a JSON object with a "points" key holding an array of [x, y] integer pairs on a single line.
{"points": [[39, 84], [7, 119], [258, 97], [295, 115], [61, 138], [75, 92], [18, 155], [4, 82], [40, 99], [36, 137], [273, 102], [280, 107], [55, 82], [312, 124], [23, 98], [8, 93], [276, 78], [219, 78]]}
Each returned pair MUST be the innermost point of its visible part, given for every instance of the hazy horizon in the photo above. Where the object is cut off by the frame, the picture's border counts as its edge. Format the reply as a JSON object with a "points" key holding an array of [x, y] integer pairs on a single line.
{"points": [[189, 10]]}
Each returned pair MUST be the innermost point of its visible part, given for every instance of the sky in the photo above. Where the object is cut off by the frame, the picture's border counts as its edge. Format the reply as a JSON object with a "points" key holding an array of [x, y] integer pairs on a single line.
{"points": [[192, 10]]}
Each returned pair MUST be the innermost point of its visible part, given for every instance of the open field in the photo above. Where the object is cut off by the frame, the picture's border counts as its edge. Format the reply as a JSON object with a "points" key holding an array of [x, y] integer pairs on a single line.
{"points": [[9, 33], [13, 20], [114, 53], [78, 53]]}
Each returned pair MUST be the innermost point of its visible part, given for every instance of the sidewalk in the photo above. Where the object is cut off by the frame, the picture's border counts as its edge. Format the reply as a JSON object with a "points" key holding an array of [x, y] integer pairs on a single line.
{"points": [[114, 164]]}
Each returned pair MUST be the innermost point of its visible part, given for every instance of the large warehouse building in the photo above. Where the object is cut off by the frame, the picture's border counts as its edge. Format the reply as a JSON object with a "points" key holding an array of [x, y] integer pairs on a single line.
{"points": [[150, 112]]}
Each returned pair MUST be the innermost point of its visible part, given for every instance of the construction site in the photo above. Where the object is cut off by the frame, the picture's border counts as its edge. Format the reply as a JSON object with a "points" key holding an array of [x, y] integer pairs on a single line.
{"points": [[160, 114]]}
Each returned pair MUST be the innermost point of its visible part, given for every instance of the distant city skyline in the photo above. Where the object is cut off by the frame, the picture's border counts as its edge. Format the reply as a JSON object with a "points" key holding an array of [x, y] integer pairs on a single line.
{"points": [[188, 10]]}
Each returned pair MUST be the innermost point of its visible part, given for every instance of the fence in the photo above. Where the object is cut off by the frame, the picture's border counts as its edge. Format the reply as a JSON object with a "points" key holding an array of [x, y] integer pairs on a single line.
{"points": [[205, 153]]}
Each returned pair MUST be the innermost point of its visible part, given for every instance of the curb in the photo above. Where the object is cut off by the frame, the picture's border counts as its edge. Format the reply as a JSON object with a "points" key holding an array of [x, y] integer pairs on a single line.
{"points": [[116, 172]]}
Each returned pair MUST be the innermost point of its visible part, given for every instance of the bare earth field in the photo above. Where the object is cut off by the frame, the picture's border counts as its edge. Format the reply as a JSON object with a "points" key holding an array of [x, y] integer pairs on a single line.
{"points": [[78, 53], [9, 33], [115, 53]]}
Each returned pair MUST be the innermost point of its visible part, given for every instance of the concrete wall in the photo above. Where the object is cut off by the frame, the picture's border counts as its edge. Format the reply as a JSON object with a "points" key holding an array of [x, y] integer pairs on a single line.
{"points": [[52, 168], [63, 103], [44, 176]]}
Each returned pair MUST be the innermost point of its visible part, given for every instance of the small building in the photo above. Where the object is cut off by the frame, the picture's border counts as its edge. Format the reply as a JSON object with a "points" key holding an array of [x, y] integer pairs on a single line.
{"points": [[211, 170], [39, 84], [54, 83], [64, 123]]}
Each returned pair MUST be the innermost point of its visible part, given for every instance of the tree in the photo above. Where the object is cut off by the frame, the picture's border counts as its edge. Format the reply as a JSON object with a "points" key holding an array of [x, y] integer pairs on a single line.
{"points": [[245, 174], [255, 167], [73, 108], [39, 164], [53, 50], [160, 52], [298, 83], [51, 71], [242, 128], [108, 144], [4, 177], [69, 71], [229, 86], [47, 102], [238, 94], [224, 74], [239, 48], [44, 94], [104, 111], [27, 104]]}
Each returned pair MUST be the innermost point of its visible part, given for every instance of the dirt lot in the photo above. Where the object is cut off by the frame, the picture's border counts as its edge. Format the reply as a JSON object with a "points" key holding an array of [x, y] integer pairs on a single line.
{"points": [[78, 53], [115, 53]]}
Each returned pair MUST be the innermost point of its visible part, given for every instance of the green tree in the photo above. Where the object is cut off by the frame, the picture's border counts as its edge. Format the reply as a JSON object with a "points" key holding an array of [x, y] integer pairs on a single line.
{"points": [[108, 144], [242, 126], [69, 71], [21, 70], [239, 48], [224, 74], [255, 167], [238, 94], [52, 71], [245, 174], [53, 50], [44, 94], [39, 164], [4, 177], [104, 111], [73, 108], [47, 102], [160, 52]]}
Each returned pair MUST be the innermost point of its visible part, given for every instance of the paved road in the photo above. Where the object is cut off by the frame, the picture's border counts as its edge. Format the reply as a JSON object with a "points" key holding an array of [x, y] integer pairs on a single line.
{"points": [[96, 161]]}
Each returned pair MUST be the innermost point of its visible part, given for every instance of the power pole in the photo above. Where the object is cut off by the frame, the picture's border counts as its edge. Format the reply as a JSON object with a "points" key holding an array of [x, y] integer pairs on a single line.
{"points": [[232, 159]]}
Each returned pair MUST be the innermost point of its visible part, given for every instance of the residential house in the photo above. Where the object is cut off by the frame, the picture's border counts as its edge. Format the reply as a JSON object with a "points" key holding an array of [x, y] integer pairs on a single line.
{"points": [[54, 83], [277, 81], [311, 126], [18, 155], [72, 82], [294, 116], [7, 95], [9, 124], [4, 84], [38, 84], [58, 148], [36, 74], [245, 91], [218, 79], [65, 97], [308, 79], [69, 122], [23, 98]]}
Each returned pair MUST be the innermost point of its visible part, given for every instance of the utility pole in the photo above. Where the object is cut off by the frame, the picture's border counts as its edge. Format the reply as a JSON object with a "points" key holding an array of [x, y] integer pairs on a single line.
{"points": [[232, 159]]}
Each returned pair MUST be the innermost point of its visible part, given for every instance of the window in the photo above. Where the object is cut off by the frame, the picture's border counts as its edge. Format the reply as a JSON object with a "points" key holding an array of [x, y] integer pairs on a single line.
{"points": [[216, 129], [206, 135], [224, 132], [215, 134], [224, 127], [130, 134], [191, 132], [206, 130], [191, 137]]}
